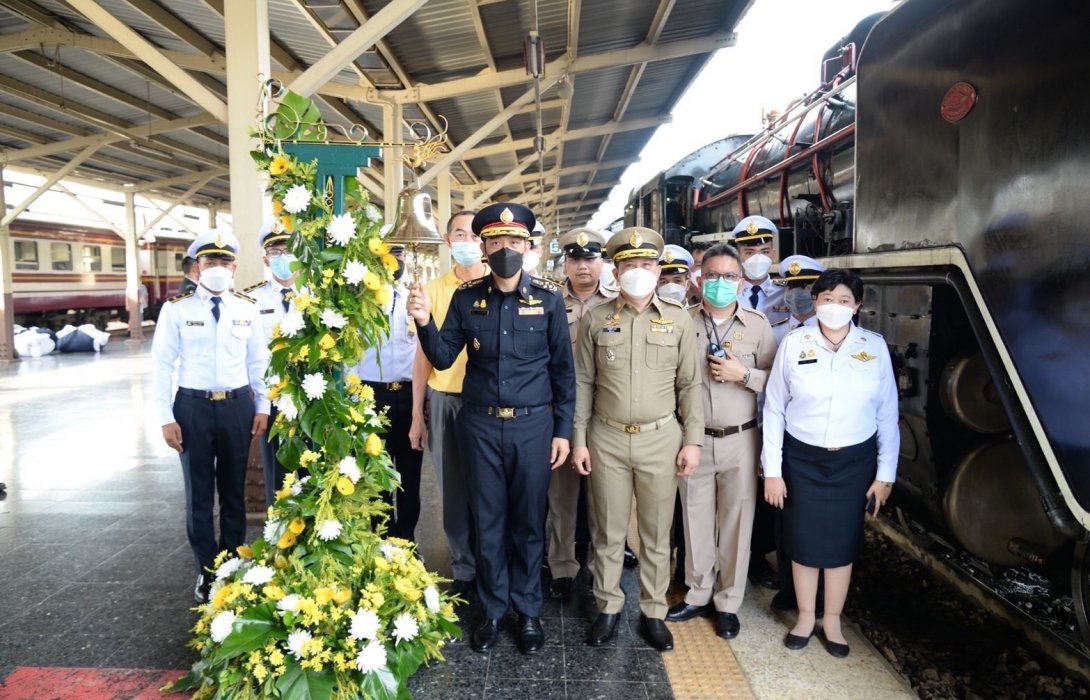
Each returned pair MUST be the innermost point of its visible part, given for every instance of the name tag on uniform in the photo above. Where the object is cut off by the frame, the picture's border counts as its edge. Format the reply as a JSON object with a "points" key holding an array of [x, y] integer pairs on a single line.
{"points": [[268, 311], [194, 323], [241, 321], [478, 312], [611, 329], [656, 328], [781, 308], [531, 310], [808, 362]]}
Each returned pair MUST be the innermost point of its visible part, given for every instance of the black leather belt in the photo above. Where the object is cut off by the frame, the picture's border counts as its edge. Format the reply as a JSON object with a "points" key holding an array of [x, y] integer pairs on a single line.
{"points": [[504, 412], [723, 432], [215, 395], [391, 386]]}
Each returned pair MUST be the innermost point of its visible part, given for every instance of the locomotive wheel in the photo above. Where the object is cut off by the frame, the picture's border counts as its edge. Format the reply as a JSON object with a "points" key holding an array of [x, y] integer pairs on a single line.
{"points": [[1080, 588]]}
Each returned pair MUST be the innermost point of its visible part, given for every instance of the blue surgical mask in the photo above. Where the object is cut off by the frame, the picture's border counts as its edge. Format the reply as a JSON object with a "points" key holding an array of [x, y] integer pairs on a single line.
{"points": [[799, 301], [720, 293], [465, 253], [281, 266]]}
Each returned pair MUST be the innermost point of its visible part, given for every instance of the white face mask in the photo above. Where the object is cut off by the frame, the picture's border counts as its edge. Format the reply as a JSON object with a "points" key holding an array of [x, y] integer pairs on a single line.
{"points": [[638, 282], [216, 279], [835, 316], [673, 291], [606, 277], [757, 266], [695, 277], [530, 261]]}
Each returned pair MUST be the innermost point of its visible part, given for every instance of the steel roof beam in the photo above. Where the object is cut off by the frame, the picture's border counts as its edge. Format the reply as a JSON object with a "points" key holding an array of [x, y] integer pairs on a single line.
{"points": [[643, 53], [573, 135], [173, 203], [179, 180], [53, 179]]}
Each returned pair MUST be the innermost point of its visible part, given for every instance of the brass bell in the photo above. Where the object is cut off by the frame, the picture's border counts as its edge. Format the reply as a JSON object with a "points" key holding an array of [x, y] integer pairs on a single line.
{"points": [[415, 223]]}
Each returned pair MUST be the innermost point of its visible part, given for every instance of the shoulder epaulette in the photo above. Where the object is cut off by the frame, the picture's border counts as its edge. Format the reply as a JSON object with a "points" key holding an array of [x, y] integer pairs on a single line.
{"points": [[180, 297], [779, 323], [611, 288], [252, 287], [473, 283], [758, 312], [544, 284], [670, 300], [240, 295], [870, 332]]}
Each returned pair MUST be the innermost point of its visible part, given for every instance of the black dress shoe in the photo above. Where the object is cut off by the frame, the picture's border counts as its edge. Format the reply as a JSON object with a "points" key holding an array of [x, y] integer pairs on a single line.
{"points": [[560, 588], [836, 649], [727, 625], [486, 635], [795, 642], [683, 611], [631, 561], [762, 574], [657, 633], [530, 635], [602, 629], [201, 590]]}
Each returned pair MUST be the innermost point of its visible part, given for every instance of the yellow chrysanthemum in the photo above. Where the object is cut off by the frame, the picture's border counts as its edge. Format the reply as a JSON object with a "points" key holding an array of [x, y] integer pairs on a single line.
{"points": [[220, 558], [287, 541], [297, 526], [342, 596], [279, 166], [304, 301], [327, 342], [367, 393], [377, 599], [335, 355], [352, 381], [276, 657], [303, 354], [381, 564], [273, 592], [373, 446], [371, 281], [222, 597], [281, 562], [323, 596], [308, 457], [276, 331], [345, 486], [244, 551], [448, 610], [389, 262], [282, 493], [378, 247], [278, 207], [260, 672], [383, 295], [285, 221], [355, 415]]}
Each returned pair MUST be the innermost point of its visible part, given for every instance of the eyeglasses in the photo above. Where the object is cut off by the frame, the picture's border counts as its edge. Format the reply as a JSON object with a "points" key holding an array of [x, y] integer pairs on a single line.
{"points": [[715, 276], [275, 253]]}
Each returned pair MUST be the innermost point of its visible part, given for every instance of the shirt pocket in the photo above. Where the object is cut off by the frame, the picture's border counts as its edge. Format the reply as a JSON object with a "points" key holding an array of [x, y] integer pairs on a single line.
{"points": [[865, 374], [662, 350], [240, 335], [196, 341], [482, 335], [611, 351], [530, 335], [745, 351]]}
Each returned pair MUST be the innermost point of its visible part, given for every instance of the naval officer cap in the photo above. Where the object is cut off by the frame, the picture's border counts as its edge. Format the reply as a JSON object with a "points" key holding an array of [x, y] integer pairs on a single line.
{"points": [[537, 234], [271, 233], [215, 243], [634, 242], [504, 219], [800, 270], [754, 230], [675, 260], [583, 243]]}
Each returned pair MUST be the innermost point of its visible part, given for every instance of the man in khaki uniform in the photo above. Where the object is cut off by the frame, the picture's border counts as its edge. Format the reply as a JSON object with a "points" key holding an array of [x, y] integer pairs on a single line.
{"points": [[636, 367], [582, 292], [736, 347]]}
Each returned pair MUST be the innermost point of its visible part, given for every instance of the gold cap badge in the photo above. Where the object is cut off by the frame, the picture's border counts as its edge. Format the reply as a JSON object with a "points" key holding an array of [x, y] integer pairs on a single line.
{"points": [[752, 228], [635, 240], [219, 240], [506, 216], [668, 256], [582, 240], [795, 268]]}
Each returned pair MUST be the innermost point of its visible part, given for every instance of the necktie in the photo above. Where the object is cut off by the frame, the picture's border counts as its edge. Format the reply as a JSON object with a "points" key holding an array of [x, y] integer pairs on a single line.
{"points": [[284, 298], [753, 294], [216, 301]]}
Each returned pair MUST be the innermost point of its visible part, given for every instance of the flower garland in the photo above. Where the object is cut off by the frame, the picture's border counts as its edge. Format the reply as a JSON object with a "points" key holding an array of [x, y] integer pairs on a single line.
{"points": [[322, 606]]}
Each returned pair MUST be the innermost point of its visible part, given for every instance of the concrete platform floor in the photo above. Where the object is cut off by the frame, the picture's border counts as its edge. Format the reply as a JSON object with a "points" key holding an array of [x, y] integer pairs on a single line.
{"points": [[95, 572]]}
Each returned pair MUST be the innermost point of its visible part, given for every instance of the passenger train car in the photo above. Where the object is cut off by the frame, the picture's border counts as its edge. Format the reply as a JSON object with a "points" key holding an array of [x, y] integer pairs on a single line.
{"points": [[945, 157], [77, 275]]}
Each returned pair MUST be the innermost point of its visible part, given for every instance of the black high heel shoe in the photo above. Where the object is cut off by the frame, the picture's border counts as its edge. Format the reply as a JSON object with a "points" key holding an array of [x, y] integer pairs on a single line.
{"points": [[794, 642]]}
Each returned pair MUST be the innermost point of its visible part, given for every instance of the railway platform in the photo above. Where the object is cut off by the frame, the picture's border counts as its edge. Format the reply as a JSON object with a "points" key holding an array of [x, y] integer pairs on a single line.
{"points": [[97, 578]]}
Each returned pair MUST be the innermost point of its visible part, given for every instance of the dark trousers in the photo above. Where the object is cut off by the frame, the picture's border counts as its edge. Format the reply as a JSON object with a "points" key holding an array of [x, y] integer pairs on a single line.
{"points": [[274, 470], [509, 485], [216, 445], [407, 461]]}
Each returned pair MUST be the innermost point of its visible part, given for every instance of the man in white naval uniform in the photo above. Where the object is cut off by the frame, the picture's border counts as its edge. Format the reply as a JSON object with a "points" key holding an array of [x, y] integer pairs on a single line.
{"points": [[211, 337], [754, 237]]}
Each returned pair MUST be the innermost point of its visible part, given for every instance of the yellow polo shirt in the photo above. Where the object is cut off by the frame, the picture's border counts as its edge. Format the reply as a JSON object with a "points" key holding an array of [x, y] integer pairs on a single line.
{"points": [[440, 292]]}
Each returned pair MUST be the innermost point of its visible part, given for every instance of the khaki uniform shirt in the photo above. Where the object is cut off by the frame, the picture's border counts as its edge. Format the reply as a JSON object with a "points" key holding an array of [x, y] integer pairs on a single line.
{"points": [[749, 337], [577, 308], [636, 368]]}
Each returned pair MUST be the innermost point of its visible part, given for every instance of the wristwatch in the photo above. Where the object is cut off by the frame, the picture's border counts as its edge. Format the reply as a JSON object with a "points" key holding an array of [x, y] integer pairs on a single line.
{"points": [[745, 378]]}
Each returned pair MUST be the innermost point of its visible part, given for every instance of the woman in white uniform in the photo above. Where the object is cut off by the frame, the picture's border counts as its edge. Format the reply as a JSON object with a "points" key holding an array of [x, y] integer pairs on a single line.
{"points": [[830, 444]]}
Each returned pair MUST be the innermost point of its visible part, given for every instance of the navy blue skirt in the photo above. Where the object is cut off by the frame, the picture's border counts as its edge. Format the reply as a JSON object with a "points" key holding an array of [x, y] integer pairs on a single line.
{"points": [[826, 497]]}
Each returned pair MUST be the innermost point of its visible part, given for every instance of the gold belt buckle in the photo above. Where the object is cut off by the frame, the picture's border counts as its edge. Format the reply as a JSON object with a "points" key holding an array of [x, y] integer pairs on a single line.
{"points": [[632, 429], [833, 449], [505, 412], [219, 395], [395, 386]]}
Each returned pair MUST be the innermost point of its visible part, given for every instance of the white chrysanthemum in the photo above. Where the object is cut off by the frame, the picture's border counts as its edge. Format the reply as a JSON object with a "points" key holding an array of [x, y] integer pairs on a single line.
{"points": [[221, 626], [389, 550], [354, 272], [365, 625], [296, 199], [386, 228], [272, 380], [273, 530], [341, 229], [289, 603], [259, 575], [405, 628], [371, 658], [349, 468], [297, 486], [286, 405], [333, 319], [227, 568], [431, 598], [314, 385], [297, 641], [292, 322], [388, 307], [329, 530]]}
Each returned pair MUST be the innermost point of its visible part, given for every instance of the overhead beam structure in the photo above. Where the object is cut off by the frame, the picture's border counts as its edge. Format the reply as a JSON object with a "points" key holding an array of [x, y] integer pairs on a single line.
{"points": [[573, 135]]}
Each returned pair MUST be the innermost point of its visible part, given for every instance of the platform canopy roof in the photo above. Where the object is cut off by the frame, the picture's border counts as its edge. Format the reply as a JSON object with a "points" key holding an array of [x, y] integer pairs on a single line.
{"points": [[79, 94]]}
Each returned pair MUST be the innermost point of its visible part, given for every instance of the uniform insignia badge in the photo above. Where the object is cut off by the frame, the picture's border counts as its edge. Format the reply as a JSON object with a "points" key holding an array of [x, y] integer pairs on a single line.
{"points": [[530, 300], [635, 240], [661, 325], [581, 240], [727, 345], [795, 268], [532, 310], [668, 256], [810, 353], [864, 356], [752, 228], [738, 335], [484, 303], [476, 344], [506, 216], [219, 240], [806, 337], [802, 355], [610, 355]]}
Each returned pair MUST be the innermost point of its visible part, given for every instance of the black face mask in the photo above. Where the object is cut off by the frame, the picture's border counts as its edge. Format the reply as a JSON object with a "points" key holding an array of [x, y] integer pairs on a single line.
{"points": [[505, 262], [399, 271]]}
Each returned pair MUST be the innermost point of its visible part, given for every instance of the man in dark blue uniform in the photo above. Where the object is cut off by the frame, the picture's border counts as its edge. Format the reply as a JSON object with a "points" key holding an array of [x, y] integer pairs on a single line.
{"points": [[518, 399]]}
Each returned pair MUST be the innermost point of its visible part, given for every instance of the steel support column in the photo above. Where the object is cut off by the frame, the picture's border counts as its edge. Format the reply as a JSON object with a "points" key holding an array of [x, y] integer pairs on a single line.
{"points": [[392, 171], [443, 212], [132, 269], [7, 309]]}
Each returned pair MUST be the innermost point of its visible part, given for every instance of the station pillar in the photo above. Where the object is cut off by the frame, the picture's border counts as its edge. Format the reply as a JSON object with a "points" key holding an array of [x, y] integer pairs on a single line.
{"points": [[7, 309], [443, 212], [132, 268]]}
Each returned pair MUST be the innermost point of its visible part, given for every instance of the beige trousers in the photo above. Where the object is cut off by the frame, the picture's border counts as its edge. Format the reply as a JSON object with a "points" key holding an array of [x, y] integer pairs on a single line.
{"points": [[563, 507]]}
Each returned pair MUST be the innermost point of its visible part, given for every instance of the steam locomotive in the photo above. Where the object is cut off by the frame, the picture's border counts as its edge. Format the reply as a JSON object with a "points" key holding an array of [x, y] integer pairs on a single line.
{"points": [[73, 275], [943, 157]]}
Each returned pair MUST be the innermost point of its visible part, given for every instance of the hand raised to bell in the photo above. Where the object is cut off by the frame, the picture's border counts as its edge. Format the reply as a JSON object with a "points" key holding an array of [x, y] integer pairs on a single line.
{"points": [[418, 304]]}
